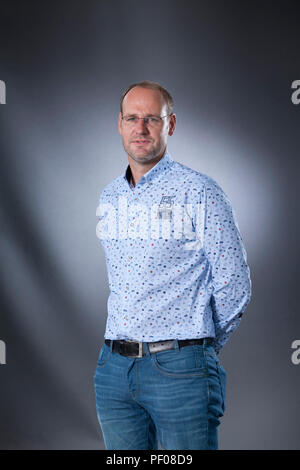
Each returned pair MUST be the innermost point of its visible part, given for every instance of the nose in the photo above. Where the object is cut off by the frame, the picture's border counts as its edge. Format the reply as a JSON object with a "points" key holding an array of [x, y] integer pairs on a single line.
{"points": [[141, 126]]}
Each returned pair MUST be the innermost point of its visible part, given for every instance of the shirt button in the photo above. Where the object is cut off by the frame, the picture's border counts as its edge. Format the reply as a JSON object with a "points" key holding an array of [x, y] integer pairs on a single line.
{"points": [[132, 224]]}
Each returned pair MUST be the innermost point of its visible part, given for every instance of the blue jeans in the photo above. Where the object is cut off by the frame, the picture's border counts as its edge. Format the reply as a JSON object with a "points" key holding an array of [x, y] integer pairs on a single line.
{"points": [[175, 396]]}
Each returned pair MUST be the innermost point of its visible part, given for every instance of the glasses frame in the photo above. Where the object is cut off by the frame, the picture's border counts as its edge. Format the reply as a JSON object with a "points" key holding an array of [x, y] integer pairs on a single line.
{"points": [[147, 123]]}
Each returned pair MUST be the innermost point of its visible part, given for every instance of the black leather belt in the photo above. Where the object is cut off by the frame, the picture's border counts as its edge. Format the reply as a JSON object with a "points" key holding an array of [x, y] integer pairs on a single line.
{"points": [[137, 348]]}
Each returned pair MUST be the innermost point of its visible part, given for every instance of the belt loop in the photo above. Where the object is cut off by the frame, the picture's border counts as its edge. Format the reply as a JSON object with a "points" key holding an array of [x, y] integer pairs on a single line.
{"points": [[146, 347], [111, 345], [176, 345]]}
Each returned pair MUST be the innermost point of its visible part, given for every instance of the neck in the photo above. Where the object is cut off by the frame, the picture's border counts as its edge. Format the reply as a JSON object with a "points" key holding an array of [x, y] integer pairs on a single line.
{"points": [[139, 169]]}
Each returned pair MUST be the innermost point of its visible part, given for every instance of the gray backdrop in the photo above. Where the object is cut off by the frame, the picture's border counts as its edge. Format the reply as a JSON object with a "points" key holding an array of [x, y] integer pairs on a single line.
{"points": [[229, 66]]}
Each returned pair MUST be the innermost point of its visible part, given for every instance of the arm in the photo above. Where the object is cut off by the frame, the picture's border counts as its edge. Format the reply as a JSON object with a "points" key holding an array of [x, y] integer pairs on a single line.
{"points": [[226, 254]]}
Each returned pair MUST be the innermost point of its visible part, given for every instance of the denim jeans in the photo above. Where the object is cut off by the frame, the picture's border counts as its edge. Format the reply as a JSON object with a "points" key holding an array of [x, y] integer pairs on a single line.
{"points": [[175, 396]]}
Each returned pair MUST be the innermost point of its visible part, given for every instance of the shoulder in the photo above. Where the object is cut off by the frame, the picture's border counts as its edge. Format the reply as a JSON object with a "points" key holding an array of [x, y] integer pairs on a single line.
{"points": [[110, 189], [196, 181]]}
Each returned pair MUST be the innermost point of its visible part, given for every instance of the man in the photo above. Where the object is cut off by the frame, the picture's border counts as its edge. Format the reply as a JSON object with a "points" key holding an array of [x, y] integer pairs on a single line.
{"points": [[179, 283]]}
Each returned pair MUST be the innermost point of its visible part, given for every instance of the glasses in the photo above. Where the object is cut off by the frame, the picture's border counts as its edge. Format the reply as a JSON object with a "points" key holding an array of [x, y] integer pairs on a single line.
{"points": [[152, 121]]}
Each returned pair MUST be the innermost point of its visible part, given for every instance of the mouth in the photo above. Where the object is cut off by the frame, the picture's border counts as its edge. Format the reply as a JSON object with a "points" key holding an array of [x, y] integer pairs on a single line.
{"points": [[141, 141]]}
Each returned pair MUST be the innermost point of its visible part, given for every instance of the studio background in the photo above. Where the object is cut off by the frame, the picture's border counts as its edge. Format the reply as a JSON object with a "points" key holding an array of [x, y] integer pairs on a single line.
{"points": [[229, 66]]}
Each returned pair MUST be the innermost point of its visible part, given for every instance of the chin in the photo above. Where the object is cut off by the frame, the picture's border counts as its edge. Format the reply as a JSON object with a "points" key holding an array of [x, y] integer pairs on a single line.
{"points": [[142, 154]]}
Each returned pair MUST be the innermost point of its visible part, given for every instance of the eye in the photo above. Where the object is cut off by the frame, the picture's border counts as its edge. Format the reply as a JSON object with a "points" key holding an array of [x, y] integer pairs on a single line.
{"points": [[154, 119], [130, 119]]}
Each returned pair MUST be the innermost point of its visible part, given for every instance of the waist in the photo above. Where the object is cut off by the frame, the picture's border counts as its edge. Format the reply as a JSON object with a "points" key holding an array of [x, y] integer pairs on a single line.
{"points": [[138, 349]]}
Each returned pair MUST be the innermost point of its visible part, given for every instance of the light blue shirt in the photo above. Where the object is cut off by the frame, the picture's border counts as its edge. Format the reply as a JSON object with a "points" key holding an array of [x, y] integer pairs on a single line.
{"points": [[176, 264]]}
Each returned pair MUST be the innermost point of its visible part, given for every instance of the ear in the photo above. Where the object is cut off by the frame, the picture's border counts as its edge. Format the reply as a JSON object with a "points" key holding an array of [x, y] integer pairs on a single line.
{"points": [[120, 123], [172, 124]]}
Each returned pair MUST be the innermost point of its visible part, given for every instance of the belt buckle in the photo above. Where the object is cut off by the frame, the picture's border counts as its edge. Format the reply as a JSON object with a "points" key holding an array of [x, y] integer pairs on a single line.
{"points": [[140, 343], [140, 349]]}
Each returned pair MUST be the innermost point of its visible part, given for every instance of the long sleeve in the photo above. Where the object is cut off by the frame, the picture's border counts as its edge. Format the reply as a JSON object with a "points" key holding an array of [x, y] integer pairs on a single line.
{"points": [[224, 249]]}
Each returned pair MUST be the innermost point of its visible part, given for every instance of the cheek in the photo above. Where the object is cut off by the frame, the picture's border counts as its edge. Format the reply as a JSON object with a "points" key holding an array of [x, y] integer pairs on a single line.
{"points": [[158, 135], [126, 136], [163, 135]]}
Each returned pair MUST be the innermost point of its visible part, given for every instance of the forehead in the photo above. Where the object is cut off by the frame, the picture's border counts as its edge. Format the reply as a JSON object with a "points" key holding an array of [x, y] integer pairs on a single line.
{"points": [[143, 101]]}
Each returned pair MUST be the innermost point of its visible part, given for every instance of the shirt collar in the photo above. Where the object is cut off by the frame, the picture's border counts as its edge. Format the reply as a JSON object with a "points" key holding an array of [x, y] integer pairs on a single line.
{"points": [[161, 167]]}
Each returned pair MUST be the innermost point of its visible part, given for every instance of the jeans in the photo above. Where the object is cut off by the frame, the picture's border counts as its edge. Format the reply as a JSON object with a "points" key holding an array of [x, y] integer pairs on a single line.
{"points": [[175, 396]]}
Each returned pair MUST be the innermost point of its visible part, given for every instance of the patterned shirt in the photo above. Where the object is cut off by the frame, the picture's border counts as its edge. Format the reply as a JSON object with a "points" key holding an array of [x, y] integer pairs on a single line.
{"points": [[176, 264]]}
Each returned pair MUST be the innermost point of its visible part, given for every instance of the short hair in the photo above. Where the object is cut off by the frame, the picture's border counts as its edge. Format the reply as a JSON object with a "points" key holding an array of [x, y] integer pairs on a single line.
{"points": [[153, 86]]}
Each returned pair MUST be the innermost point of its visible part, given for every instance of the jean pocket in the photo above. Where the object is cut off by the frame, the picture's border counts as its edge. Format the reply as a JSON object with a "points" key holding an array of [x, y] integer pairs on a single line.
{"points": [[180, 363], [223, 380], [210, 351], [103, 356], [216, 376]]}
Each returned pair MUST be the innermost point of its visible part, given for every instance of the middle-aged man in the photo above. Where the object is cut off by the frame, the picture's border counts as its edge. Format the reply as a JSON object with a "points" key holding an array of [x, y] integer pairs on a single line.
{"points": [[179, 283]]}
